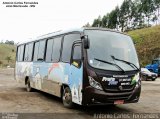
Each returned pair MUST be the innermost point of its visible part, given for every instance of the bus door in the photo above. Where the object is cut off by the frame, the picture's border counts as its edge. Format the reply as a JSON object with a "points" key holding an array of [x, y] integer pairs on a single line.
{"points": [[76, 71], [39, 65]]}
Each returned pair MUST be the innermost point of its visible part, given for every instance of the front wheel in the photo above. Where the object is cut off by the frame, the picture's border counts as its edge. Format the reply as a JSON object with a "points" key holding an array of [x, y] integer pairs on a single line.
{"points": [[153, 79], [67, 98]]}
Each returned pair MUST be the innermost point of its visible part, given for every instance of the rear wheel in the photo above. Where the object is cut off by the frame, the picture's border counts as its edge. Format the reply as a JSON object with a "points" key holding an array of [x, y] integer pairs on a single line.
{"points": [[67, 98], [28, 86]]}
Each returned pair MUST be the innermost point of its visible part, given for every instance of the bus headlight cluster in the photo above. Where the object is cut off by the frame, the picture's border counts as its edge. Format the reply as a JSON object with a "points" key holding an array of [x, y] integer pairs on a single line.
{"points": [[137, 79], [94, 83]]}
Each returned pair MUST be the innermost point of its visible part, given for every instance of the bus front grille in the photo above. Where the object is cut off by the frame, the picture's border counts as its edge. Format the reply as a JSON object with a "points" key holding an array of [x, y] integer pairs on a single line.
{"points": [[118, 89]]}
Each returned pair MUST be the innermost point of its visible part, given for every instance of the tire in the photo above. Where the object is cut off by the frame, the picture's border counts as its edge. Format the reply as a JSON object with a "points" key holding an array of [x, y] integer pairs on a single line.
{"points": [[153, 79], [28, 86], [67, 98]]}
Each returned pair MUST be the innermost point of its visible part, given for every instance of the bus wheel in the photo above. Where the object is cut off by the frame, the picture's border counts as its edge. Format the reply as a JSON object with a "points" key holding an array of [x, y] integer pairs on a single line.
{"points": [[67, 98], [28, 86], [153, 79]]}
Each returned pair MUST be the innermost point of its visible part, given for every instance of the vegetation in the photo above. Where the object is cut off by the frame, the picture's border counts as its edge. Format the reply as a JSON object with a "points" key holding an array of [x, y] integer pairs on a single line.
{"points": [[8, 58], [7, 55], [136, 18], [131, 15], [147, 43]]}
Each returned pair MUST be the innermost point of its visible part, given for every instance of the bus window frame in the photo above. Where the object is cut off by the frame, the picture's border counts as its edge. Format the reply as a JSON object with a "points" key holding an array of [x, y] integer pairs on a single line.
{"points": [[45, 49], [52, 38], [17, 59], [79, 61], [75, 32]]}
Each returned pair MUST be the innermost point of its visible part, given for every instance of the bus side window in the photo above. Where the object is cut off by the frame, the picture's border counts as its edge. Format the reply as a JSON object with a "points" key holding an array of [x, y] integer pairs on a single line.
{"points": [[67, 46], [56, 49], [30, 51], [36, 51], [76, 56], [77, 52], [49, 50], [26, 53], [53, 49], [41, 50], [20, 53]]}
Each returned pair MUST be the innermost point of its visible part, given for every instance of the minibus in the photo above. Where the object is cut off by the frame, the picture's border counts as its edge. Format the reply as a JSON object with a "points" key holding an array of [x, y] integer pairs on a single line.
{"points": [[85, 66]]}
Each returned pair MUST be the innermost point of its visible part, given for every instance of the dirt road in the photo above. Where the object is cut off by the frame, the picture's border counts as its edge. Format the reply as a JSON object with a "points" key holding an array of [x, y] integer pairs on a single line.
{"points": [[15, 99]]}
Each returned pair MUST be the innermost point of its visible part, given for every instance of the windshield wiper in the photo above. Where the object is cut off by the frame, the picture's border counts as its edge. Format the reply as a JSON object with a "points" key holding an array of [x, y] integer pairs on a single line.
{"points": [[129, 63], [110, 64]]}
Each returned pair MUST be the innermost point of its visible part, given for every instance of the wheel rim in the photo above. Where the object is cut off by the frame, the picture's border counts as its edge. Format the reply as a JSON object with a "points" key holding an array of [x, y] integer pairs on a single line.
{"points": [[67, 97]]}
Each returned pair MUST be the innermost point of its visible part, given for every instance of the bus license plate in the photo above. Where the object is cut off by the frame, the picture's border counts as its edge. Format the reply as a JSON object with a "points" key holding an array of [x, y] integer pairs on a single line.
{"points": [[119, 102]]}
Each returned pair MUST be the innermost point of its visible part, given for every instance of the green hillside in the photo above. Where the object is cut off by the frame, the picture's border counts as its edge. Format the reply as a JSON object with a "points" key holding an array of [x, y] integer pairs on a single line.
{"points": [[147, 43], [7, 55]]}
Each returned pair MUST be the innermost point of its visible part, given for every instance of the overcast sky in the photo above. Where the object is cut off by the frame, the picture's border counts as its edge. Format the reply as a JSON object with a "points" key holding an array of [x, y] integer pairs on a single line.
{"points": [[21, 24]]}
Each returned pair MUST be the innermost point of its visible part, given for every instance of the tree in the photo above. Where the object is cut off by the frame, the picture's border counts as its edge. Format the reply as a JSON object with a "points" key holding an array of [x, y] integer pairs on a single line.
{"points": [[8, 58], [113, 19], [87, 25], [105, 20], [157, 11], [132, 14], [1, 63], [124, 15], [97, 22], [148, 9], [9, 42], [1, 41]]}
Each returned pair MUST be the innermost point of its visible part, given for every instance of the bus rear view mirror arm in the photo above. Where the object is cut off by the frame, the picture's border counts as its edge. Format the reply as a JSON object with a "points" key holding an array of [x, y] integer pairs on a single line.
{"points": [[86, 42]]}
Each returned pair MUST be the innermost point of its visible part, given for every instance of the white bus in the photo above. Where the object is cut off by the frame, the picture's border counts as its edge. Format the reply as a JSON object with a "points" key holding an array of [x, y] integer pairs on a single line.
{"points": [[84, 66]]}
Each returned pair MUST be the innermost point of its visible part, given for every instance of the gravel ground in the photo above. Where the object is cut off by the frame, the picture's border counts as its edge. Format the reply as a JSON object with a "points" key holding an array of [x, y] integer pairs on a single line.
{"points": [[15, 99]]}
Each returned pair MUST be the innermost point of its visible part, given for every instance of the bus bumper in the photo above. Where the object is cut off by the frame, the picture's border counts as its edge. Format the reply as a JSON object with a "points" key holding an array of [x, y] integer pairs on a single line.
{"points": [[94, 96]]}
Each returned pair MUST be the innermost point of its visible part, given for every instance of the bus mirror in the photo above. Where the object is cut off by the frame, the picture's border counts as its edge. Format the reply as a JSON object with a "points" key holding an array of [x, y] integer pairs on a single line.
{"points": [[86, 42]]}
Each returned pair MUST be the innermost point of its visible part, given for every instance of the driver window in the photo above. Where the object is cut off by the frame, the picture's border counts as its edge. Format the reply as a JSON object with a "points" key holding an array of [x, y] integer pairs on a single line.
{"points": [[77, 52]]}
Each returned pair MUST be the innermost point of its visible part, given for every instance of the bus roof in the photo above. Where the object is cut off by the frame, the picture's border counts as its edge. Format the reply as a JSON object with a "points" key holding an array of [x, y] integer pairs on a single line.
{"points": [[61, 32]]}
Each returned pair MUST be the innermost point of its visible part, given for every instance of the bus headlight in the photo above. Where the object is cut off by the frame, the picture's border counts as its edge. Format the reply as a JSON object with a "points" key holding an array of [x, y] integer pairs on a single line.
{"points": [[136, 80], [94, 83]]}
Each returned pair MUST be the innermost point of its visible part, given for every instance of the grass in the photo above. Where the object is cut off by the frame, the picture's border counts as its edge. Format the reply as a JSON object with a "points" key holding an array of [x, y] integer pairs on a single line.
{"points": [[7, 50], [147, 43]]}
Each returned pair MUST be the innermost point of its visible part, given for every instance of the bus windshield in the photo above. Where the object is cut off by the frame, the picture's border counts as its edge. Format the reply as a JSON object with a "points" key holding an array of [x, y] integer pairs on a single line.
{"points": [[111, 51]]}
